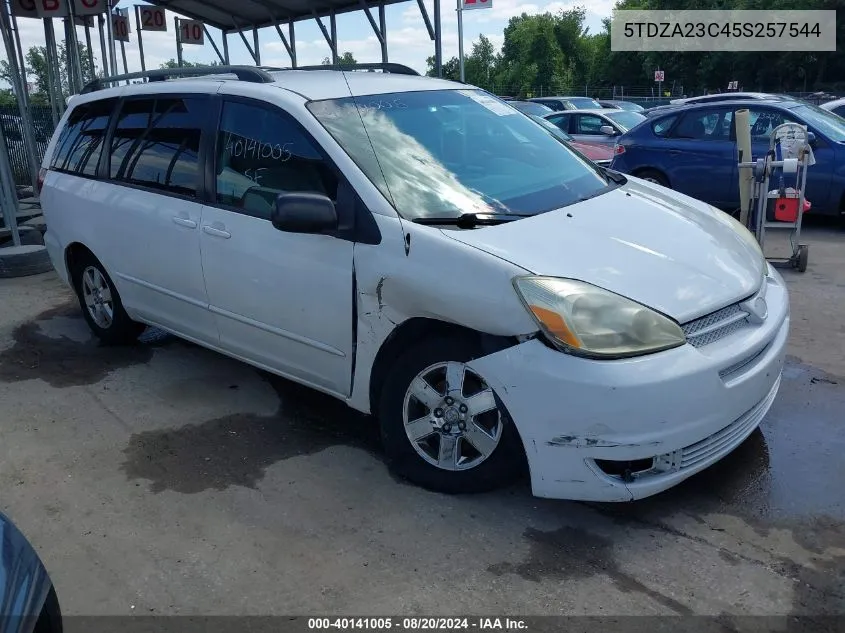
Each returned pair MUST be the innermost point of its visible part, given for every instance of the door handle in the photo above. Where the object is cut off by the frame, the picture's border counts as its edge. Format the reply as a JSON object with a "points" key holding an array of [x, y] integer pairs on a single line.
{"points": [[184, 222], [216, 232]]}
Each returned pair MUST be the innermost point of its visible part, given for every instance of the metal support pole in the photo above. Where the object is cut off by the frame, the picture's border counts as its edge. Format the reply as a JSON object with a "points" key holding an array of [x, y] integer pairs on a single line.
{"points": [[426, 19], [112, 48], [74, 50], [461, 39], [225, 47], [438, 40], [257, 55], [382, 22], [284, 41], [213, 44], [54, 94], [8, 194], [101, 23], [22, 61], [90, 49], [17, 79], [246, 44], [123, 54], [333, 27], [179, 61], [292, 38], [141, 37]]}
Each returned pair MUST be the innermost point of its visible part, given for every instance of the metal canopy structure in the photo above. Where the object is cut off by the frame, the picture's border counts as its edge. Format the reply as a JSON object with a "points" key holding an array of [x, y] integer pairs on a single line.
{"points": [[242, 15]]}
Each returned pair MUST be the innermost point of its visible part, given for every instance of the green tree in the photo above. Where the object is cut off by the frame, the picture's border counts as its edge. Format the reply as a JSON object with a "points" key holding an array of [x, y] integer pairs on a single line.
{"points": [[172, 63], [36, 70], [347, 59]]}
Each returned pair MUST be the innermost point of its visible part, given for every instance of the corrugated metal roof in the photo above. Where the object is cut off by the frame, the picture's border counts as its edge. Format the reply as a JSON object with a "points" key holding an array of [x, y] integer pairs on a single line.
{"points": [[241, 14]]}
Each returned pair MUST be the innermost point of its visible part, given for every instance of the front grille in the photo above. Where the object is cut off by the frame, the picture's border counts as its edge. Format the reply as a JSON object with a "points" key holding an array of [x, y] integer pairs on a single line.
{"points": [[715, 326], [728, 436]]}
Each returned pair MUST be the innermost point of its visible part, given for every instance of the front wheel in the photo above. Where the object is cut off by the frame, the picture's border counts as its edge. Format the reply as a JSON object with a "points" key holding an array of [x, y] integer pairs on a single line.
{"points": [[652, 175], [442, 426]]}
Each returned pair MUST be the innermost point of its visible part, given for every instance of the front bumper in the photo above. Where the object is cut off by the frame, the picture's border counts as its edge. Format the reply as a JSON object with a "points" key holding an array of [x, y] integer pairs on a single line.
{"points": [[686, 408]]}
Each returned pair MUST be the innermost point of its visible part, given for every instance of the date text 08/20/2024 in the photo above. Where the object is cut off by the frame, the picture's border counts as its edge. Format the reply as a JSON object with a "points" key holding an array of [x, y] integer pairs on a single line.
{"points": [[416, 624]]}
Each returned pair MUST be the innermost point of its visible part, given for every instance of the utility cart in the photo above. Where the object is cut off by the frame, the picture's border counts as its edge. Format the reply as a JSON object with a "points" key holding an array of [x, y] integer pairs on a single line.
{"points": [[788, 158]]}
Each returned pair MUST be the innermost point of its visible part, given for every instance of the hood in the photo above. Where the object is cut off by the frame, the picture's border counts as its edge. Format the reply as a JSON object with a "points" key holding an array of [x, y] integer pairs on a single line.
{"points": [[593, 151], [657, 247]]}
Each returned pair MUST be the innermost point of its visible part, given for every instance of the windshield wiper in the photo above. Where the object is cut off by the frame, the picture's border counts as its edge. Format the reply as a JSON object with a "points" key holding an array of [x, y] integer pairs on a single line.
{"points": [[615, 176], [471, 220]]}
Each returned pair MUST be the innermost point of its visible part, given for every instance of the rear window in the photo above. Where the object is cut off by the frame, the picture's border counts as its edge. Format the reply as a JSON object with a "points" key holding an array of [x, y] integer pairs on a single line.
{"points": [[80, 143]]}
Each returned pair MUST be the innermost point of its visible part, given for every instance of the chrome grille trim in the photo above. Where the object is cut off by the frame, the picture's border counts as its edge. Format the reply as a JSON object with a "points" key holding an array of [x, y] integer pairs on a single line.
{"points": [[715, 326]]}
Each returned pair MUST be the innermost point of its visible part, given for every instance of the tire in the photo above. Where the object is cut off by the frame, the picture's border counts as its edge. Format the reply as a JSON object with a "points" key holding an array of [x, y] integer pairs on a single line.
{"points": [[50, 619], [29, 235], [501, 458], [25, 260], [652, 175], [803, 258], [106, 316]]}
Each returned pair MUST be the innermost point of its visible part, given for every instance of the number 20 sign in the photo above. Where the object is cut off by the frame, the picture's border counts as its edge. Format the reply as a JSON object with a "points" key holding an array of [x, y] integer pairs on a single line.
{"points": [[477, 4], [191, 32], [152, 18]]}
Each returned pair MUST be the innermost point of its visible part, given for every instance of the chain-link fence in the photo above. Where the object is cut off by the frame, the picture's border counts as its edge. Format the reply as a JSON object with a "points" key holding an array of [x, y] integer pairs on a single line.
{"points": [[42, 123]]}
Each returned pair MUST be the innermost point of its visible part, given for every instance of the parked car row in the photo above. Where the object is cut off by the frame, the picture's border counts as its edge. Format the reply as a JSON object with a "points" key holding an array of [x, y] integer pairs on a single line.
{"points": [[692, 148]]}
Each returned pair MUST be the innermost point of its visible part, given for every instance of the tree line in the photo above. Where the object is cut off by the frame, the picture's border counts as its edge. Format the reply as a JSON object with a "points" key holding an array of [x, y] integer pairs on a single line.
{"points": [[556, 53]]}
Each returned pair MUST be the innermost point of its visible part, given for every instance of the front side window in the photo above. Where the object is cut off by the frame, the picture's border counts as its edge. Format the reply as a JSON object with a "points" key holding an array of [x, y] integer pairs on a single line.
{"points": [[831, 125], [763, 122], [445, 153], [262, 153], [589, 124], [80, 144], [156, 144]]}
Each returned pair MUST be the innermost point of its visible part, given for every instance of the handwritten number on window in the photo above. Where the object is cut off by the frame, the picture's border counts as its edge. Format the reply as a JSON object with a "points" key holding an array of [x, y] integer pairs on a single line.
{"points": [[251, 148]]}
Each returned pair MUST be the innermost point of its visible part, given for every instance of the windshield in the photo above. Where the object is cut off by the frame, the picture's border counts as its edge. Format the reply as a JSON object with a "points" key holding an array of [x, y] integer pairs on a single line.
{"points": [[584, 103], [531, 108], [829, 124], [443, 153], [625, 118], [630, 107]]}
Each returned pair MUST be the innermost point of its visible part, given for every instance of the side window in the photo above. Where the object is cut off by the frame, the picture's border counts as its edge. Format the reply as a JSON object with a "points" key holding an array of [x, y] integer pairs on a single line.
{"points": [[661, 128], [80, 144], [156, 143], [261, 152], [590, 124], [840, 111], [763, 122], [561, 120], [705, 125]]}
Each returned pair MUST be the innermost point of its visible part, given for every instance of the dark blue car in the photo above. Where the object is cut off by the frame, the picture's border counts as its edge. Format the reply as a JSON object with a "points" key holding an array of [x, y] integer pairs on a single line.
{"points": [[692, 149], [28, 602]]}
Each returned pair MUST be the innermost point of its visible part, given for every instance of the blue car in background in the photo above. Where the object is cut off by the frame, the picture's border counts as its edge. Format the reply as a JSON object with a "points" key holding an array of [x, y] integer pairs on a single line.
{"points": [[28, 602], [692, 149]]}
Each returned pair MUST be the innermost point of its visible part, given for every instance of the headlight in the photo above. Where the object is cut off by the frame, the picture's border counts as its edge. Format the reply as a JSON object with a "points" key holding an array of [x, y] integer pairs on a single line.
{"points": [[583, 319]]}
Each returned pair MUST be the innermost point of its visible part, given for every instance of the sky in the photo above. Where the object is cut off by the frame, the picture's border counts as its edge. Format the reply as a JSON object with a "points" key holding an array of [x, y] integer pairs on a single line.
{"points": [[407, 38]]}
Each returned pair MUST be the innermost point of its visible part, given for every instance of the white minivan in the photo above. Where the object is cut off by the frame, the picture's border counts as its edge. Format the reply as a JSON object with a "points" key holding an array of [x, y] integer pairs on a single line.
{"points": [[426, 253]]}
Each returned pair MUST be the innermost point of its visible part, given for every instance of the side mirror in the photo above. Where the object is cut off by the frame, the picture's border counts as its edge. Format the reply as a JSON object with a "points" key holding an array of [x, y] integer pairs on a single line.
{"points": [[608, 130], [304, 213], [811, 139]]}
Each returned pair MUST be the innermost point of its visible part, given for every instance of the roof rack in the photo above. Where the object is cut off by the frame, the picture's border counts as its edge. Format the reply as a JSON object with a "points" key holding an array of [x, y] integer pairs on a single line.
{"points": [[387, 67], [243, 73]]}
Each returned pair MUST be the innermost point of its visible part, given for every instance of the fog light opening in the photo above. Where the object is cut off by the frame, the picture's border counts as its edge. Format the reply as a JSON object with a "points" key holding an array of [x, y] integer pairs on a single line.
{"points": [[627, 470]]}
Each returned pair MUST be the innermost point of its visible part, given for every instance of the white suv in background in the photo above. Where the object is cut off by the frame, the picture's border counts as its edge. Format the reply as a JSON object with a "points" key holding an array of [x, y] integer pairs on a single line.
{"points": [[422, 251]]}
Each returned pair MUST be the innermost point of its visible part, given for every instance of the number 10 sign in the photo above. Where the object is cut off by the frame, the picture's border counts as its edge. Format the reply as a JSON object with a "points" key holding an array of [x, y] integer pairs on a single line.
{"points": [[466, 5], [191, 32]]}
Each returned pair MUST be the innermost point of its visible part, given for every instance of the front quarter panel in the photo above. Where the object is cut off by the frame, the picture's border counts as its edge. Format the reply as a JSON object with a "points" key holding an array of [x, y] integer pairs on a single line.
{"points": [[24, 581], [439, 279]]}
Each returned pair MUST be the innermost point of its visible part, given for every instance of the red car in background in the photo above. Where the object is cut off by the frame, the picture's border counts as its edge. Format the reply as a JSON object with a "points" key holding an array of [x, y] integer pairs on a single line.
{"points": [[596, 152], [601, 154]]}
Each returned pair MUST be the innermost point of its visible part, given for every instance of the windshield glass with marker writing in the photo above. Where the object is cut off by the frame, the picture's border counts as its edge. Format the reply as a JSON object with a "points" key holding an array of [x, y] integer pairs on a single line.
{"points": [[446, 153]]}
